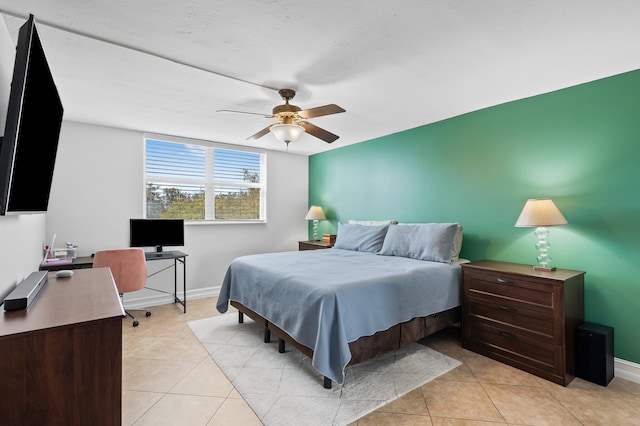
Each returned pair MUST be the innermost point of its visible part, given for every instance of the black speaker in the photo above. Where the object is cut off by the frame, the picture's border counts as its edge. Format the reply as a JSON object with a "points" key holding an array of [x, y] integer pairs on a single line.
{"points": [[594, 353]]}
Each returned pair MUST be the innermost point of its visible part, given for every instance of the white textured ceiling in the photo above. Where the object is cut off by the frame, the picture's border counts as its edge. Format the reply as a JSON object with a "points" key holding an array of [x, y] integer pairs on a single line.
{"points": [[391, 65]]}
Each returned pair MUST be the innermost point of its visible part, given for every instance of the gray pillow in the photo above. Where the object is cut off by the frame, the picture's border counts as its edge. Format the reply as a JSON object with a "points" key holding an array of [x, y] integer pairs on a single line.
{"points": [[360, 237], [426, 241]]}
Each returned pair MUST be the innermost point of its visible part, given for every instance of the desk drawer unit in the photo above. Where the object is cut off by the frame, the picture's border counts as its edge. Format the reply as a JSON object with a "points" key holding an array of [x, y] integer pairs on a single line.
{"points": [[522, 317]]}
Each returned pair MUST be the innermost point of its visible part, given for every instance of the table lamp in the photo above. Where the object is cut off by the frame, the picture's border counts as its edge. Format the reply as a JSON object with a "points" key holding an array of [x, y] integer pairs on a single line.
{"points": [[315, 214], [541, 212]]}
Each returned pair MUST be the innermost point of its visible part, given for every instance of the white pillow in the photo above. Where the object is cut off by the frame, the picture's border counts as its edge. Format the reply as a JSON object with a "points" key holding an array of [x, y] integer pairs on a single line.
{"points": [[457, 244], [372, 222], [427, 241]]}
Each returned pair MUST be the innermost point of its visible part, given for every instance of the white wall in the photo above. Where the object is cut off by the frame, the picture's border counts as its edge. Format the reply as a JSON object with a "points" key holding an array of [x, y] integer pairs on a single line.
{"points": [[20, 236], [98, 185]]}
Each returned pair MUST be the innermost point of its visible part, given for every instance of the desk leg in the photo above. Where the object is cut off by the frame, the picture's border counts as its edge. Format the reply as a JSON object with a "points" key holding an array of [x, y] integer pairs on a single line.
{"points": [[184, 284], [183, 302]]}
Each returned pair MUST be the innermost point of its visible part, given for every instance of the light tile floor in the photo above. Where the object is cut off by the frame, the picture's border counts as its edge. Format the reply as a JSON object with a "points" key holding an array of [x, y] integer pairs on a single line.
{"points": [[169, 379]]}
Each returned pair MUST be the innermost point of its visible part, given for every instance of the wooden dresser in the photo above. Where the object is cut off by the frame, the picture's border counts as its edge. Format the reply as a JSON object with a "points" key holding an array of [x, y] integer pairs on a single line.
{"points": [[522, 317], [61, 358]]}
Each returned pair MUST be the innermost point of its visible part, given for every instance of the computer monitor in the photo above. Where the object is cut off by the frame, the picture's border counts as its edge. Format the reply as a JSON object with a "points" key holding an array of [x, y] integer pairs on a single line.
{"points": [[156, 233]]}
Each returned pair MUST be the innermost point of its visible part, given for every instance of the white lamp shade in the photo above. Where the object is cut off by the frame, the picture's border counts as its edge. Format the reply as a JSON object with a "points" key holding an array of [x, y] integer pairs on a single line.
{"points": [[540, 212], [315, 213], [286, 132]]}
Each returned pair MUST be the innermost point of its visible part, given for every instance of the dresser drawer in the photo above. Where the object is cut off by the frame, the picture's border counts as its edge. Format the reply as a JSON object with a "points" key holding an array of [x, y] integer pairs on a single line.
{"points": [[517, 317], [518, 349], [537, 296]]}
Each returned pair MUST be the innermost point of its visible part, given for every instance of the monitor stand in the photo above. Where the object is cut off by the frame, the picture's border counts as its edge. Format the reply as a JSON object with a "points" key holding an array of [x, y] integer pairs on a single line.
{"points": [[157, 253]]}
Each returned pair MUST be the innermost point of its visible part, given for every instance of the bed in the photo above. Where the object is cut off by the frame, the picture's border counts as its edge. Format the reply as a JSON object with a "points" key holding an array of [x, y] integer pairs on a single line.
{"points": [[380, 288]]}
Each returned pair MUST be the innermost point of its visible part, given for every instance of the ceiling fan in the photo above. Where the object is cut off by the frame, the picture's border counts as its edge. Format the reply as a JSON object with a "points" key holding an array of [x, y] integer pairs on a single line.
{"points": [[291, 120]]}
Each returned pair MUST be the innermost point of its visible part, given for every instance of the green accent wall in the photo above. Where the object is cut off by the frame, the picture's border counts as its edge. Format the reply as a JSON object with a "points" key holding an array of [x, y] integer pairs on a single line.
{"points": [[579, 146]]}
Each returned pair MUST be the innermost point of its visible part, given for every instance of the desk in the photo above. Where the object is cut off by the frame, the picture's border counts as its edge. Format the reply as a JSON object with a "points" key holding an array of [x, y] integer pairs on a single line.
{"points": [[84, 262], [178, 257], [61, 357]]}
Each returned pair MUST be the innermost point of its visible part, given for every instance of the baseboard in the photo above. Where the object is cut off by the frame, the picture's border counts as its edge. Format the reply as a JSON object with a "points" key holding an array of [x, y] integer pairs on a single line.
{"points": [[162, 298], [626, 370]]}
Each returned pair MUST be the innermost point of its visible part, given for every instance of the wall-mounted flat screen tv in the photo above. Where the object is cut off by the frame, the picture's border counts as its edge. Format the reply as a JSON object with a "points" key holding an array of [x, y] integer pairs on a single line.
{"points": [[34, 117], [156, 233]]}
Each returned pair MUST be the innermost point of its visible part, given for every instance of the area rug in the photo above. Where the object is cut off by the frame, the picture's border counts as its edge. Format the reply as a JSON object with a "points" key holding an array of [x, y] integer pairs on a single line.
{"points": [[284, 389]]}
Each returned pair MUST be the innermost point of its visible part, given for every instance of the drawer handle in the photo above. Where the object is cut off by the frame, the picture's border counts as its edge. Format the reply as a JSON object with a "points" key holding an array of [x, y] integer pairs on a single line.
{"points": [[507, 335], [503, 281], [507, 308]]}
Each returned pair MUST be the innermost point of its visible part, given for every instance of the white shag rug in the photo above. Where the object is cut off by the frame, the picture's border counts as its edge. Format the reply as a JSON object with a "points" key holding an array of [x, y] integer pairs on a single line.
{"points": [[284, 389]]}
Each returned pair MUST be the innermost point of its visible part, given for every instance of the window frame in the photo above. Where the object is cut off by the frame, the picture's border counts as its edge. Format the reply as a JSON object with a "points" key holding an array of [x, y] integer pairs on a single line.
{"points": [[209, 183]]}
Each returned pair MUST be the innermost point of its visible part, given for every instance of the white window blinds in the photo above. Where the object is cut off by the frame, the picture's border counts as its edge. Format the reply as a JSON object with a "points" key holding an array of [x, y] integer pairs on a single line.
{"points": [[203, 182]]}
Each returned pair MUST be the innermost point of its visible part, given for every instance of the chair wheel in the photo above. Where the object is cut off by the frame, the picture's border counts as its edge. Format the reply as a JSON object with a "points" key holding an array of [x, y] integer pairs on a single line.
{"points": [[135, 323], [148, 314]]}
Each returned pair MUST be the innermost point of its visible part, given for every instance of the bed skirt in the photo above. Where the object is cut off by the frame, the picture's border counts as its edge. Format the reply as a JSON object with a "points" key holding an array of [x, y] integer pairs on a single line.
{"points": [[366, 347]]}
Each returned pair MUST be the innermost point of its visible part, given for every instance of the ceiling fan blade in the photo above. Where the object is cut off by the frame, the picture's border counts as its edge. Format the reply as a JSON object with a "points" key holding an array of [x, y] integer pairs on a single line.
{"points": [[260, 134], [245, 112], [320, 111], [319, 133]]}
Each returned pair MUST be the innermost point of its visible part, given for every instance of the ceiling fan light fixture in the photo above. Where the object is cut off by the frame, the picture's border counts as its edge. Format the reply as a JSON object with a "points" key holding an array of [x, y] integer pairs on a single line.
{"points": [[286, 132]]}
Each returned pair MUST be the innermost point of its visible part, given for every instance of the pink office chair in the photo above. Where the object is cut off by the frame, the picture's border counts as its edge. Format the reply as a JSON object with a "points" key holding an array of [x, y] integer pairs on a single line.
{"points": [[129, 270]]}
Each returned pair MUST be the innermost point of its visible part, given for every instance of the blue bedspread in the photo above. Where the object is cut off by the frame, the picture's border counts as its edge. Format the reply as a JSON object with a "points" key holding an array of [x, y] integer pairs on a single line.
{"points": [[325, 299]]}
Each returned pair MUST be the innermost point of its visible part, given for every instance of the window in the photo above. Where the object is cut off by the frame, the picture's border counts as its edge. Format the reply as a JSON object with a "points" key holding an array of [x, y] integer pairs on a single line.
{"points": [[202, 181]]}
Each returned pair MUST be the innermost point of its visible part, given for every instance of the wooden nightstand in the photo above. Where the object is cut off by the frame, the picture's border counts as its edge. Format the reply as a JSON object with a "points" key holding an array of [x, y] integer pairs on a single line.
{"points": [[313, 245], [522, 317]]}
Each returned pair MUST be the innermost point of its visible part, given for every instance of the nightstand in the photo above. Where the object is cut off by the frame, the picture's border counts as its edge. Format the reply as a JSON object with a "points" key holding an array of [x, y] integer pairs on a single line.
{"points": [[522, 317], [313, 245]]}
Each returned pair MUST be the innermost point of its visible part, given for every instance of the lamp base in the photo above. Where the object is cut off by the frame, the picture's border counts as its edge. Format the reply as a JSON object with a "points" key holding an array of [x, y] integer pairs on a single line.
{"points": [[544, 268]]}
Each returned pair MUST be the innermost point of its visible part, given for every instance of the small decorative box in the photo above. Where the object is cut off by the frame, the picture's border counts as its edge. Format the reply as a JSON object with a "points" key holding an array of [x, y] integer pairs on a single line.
{"points": [[329, 238]]}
